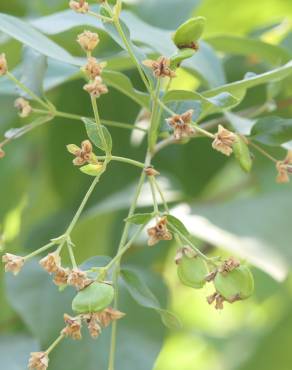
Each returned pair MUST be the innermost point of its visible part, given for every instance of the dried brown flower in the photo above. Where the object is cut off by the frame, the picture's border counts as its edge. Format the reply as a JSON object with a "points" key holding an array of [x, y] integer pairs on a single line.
{"points": [[61, 276], [211, 276], [88, 40], [96, 87], [93, 324], [224, 140], [160, 67], [38, 361], [284, 168], [80, 6], [84, 154], [13, 263], [218, 299], [159, 232], [23, 106], [51, 263], [93, 68], [3, 65], [180, 123], [185, 251], [78, 279], [73, 327], [229, 265], [108, 315]]}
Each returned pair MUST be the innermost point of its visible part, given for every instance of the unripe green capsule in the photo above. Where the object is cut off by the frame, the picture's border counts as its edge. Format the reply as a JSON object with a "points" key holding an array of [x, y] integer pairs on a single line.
{"points": [[242, 154], [94, 298], [192, 271], [188, 34], [236, 284]]}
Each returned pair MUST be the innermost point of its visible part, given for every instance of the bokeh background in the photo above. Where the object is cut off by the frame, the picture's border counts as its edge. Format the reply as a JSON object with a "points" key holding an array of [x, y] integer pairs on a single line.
{"points": [[229, 211]]}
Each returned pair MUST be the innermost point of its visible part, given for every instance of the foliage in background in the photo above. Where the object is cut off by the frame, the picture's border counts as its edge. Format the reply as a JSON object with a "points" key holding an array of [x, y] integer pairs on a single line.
{"points": [[245, 214]]}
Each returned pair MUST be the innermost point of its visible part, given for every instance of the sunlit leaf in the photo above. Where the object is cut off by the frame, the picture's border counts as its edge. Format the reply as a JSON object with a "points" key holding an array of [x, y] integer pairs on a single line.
{"points": [[272, 131]]}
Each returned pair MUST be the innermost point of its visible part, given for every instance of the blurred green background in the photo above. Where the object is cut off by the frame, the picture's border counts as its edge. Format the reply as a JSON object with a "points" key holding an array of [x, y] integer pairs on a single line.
{"points": [[247, 215]]}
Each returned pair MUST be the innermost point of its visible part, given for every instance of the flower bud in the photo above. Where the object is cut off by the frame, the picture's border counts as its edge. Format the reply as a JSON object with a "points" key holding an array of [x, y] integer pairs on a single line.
{"points": [[235, 285], [96, 88], [88, 40], [3, 65], [23, 106], [38, 361], [61, 276], [93, 68], [96, 297], [13, 263], [80, 6], [73, 327], [192, 269], [78, 279], [51, 263]]}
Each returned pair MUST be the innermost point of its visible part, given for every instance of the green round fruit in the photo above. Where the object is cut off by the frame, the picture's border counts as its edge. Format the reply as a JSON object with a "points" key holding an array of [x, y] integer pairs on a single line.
{"points": [[192, 271], [96, 297], [236, 283], [189, 32]]}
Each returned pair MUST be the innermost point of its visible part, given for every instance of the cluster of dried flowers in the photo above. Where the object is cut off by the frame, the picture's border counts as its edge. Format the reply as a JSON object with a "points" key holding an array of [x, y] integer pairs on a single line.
{"points": [[182, 126], [63, 275], [95, 322]]}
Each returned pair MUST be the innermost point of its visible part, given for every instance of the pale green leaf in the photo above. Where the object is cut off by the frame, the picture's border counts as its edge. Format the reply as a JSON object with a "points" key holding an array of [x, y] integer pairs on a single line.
{"points": [[144, 297]]}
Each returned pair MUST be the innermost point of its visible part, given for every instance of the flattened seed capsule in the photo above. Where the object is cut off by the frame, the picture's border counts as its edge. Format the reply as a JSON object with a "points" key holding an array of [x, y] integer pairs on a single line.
{"points": [[94, 298]]}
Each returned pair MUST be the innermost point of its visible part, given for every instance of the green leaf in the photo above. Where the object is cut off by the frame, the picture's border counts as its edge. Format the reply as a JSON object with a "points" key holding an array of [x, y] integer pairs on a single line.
{"points": [[272, 131], [240, 124], [242, 154], [144, 297], [140, 218], [94, 135], [177, 224], [122, 83], [239, 88], [246, 46], [29, 36], [34, 68], [213, 104]]}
